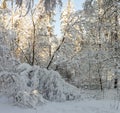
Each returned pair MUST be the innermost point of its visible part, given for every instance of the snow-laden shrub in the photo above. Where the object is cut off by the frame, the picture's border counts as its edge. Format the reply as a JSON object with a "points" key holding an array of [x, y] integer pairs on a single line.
{"points": [[32, 85], [17, 85], [69, 70], [54, 88], [29, 99], [8, 83], [48, 82], [7, 62], [27, 83]]}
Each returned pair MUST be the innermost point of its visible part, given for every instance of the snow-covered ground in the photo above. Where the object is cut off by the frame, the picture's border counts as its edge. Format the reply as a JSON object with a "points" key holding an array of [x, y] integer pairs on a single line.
{"points": [[83, 106]]}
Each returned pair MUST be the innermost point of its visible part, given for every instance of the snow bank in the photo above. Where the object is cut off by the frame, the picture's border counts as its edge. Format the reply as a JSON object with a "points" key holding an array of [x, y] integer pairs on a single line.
{"points": [[87, 106]]}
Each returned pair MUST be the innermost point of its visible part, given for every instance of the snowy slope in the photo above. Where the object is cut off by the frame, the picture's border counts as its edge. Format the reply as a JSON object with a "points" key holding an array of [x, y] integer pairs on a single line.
{"points": [[86, 106]]}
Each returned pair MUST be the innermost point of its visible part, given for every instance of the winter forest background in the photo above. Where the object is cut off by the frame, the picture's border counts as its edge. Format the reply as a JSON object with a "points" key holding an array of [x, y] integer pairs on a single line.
{"points": [[37, 66]]}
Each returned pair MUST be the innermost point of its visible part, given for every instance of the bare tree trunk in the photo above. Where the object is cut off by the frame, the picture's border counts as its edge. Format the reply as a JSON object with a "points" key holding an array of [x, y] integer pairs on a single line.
{"points": [[52, 57], [115, 36], [34, 41], [99, 44]]}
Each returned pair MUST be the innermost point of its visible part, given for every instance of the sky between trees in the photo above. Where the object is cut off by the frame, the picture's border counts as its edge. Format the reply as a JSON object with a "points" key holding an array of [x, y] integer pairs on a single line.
{"points": [[78, 4]]}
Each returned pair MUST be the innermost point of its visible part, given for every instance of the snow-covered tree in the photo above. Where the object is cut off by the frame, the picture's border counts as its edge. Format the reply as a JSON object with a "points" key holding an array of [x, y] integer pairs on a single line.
{"points": [[7, 61], [101, 11], [34, 36], [72, 36], [49, 5]]}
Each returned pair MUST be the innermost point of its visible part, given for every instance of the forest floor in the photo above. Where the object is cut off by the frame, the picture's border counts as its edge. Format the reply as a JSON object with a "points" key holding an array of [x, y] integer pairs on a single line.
{"points": [[88, 105]]}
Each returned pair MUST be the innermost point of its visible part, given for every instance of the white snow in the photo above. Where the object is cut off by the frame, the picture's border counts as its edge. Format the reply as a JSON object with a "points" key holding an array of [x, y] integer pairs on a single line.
{"points": [[84, 106]]}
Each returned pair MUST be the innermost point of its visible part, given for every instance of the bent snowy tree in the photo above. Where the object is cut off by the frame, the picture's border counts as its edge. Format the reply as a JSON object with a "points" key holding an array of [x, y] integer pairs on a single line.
{"points": [[48, 4]]}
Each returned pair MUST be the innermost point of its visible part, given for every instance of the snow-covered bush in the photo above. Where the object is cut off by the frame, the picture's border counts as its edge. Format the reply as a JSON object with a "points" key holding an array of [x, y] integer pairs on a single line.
{"points": [[48, 82], [27, 83], [32, 85], [17, 86], [7, 63], [67, 69], [8, 83], [29, 99], [54, 88]]}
